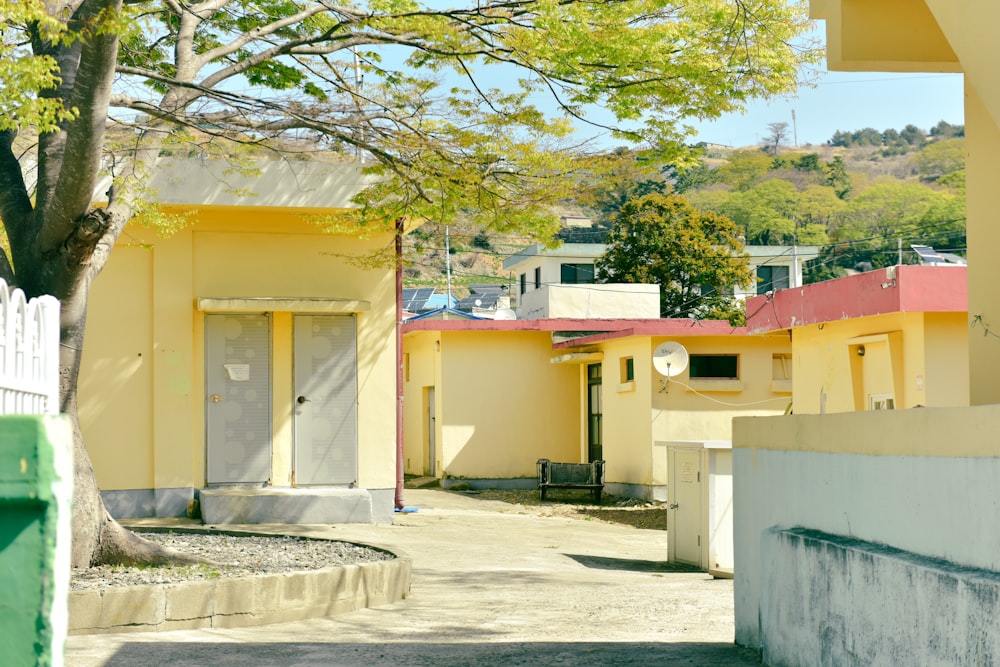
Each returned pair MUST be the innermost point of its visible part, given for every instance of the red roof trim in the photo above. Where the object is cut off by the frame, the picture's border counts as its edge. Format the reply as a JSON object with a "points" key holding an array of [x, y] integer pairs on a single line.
{"points": [[914, 289], [548, 324]]}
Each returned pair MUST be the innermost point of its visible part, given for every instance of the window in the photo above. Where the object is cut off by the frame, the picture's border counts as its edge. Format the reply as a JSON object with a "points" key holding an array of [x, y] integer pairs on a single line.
{"points": [[771, 278], [627, 369], [714, 366], [576, 274], [881, 402], [406, 366], [538, 277], [524, 283], [781, 367]]}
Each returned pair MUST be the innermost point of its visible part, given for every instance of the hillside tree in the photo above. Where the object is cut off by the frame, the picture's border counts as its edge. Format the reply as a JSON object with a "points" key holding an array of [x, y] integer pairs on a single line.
{"points": [[696, 257], [442, 103]]}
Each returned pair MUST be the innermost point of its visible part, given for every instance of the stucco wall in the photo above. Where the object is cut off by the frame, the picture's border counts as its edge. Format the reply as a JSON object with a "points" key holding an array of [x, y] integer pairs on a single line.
{"points": [[904, 478], [421, 375], [704, 409], [627, 436], [143, 382], [925, 362], [503, 405], [982, 238]]}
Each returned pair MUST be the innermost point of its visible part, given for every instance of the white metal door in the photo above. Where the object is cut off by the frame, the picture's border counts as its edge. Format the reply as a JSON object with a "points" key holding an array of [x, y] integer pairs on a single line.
{"points": [[685, 506], [326, 390], [238, 398]]}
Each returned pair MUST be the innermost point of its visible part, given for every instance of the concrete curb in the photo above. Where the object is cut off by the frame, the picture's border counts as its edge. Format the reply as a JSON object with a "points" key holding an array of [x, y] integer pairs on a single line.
{"points": [[240, 601]]}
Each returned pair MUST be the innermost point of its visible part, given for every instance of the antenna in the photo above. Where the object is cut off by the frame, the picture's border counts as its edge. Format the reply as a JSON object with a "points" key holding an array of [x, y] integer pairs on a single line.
{"points": [[670, 358]]}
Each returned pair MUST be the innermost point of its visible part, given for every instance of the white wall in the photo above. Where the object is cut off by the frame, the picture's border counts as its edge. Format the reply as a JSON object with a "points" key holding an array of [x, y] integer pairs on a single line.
{"points": [[928, 486], [605, 301]]}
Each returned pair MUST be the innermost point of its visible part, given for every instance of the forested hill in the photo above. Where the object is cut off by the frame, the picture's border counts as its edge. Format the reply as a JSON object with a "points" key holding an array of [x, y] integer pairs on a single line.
{"points": [[860, 197]]}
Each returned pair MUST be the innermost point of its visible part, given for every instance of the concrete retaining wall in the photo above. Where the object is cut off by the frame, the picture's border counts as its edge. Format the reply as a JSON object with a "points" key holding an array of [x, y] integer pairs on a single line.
{"points": [[920, 481], [239, 601], [833, 600]]}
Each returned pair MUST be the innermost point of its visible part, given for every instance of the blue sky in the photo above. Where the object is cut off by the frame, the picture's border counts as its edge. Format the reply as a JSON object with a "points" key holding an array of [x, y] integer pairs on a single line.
{"points": [[847, 101]]}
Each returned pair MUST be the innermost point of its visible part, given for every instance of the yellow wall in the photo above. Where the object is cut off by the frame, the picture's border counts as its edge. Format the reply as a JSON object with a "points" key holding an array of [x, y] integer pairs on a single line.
{"points": [[422, 371], [501, 405], [703, 410], [920, 359], [916, 36], [627, 436], [983, 236], [884, 35], [116, 386], [152, 408], [640, 414], [946, 359]]}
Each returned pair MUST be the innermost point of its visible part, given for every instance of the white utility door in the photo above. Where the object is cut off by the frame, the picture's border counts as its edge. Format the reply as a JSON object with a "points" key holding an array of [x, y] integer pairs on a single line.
{"points": [[684, 523], [326, 400], [238, 398], [431, 434]]}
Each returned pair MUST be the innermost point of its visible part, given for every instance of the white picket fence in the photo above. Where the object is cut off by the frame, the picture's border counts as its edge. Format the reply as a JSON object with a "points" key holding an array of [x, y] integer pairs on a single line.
{"points": [[29, 353]]}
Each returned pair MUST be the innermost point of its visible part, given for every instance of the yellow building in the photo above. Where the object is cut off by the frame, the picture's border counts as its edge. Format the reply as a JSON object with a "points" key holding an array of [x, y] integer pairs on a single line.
{"points": [[884, 339], [244, 352], [484, 400], [854, 531]]}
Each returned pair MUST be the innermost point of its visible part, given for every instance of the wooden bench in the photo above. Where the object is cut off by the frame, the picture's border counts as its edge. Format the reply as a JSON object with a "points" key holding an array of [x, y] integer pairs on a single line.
{"points": [[589, 476]]}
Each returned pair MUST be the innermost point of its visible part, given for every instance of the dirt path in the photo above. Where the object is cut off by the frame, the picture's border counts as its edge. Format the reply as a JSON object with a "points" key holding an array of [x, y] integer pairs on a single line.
{"points": [[493, 584]]}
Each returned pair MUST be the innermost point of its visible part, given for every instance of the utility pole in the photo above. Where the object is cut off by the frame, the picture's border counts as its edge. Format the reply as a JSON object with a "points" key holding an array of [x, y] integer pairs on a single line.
{"points": [[447, 259], [795, 131]]}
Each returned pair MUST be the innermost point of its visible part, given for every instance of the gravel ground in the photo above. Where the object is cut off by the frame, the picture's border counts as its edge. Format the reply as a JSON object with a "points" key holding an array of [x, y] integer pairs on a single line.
{"points": [[580, 505], [245, 555], [237, 556]]}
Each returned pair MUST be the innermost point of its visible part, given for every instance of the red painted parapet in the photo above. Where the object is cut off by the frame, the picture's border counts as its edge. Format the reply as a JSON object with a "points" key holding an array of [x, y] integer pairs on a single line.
{"points": [[896, 289]]}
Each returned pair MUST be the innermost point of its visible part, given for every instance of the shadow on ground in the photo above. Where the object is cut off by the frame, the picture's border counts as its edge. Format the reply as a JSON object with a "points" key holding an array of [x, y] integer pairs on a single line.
{"points": [[630, 565], [550, 654]]}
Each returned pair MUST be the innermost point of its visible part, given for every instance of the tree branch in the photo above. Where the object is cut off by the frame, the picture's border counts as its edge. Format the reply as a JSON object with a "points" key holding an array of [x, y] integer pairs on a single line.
{"points": [[15, 205], [85, 137]]}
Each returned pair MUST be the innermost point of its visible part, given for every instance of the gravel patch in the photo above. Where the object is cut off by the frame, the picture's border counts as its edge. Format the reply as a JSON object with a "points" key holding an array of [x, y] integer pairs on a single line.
{"points": [[642, 514], [237, 556]]}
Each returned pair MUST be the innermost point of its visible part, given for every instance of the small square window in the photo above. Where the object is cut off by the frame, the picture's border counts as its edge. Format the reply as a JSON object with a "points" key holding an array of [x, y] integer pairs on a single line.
{"points": [[781, 367], [627, 369], [714, 366]]}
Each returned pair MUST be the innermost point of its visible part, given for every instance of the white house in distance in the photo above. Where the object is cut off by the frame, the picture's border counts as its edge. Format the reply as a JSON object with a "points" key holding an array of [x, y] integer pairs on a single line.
{"points": [[559, 282]]}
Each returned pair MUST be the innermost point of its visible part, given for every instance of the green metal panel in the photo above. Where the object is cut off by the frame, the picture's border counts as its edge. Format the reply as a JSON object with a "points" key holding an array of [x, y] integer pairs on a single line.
{"points": [[35, 494]]}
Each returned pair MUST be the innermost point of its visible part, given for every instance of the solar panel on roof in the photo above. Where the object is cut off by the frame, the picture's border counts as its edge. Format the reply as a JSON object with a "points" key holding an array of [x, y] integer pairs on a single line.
{"points": [[928, 255]]}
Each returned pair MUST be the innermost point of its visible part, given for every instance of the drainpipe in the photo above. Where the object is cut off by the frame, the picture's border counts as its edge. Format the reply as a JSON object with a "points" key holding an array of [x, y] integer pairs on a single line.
{"points": [[399, 364]]}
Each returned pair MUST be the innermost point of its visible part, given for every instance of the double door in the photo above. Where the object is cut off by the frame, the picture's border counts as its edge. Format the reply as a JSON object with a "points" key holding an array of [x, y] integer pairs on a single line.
{"points": [[239, 394]]}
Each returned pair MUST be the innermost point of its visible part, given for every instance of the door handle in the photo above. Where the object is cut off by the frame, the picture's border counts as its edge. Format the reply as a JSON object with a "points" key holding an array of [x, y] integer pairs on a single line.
{"points": [[673, 506], [302, 400], [216, 398]]}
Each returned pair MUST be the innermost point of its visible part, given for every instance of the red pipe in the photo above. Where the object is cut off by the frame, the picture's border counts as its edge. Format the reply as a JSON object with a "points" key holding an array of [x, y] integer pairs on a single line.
{"points": [[399, 364]]}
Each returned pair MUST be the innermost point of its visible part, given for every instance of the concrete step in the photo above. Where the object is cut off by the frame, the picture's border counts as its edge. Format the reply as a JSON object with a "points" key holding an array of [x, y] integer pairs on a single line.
{"points": [[249, 505]]}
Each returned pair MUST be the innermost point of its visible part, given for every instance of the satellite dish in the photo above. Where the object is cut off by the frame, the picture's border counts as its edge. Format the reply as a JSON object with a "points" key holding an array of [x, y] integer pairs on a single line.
{"points": [[504, 314], [670, 358], [479, 303]]}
